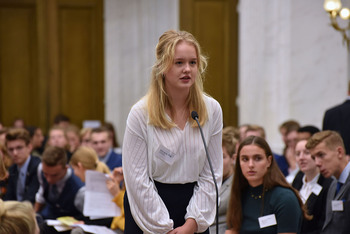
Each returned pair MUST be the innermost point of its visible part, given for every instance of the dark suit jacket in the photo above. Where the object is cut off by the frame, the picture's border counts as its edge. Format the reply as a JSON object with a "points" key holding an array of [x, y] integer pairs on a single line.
{"points": [[31, 183], [338, 119], [338, 221], [316, 205], [115, 160]]}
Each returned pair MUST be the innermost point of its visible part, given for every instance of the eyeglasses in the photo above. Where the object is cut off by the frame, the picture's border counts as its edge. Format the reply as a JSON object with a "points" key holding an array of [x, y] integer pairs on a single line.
{"points": [[17, 148]]}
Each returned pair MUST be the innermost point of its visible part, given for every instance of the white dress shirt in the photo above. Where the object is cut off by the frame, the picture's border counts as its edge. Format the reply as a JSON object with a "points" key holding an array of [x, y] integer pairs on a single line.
{"points": [[307, 187], [78, 199]]}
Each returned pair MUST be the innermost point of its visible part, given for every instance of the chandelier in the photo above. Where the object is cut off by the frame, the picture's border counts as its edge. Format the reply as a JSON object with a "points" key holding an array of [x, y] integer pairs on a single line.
{"points": [[335, 10]]}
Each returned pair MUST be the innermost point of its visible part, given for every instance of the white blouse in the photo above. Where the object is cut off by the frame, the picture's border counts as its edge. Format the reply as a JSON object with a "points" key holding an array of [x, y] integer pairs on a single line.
{"points": [[176, 156], [308, 187]]}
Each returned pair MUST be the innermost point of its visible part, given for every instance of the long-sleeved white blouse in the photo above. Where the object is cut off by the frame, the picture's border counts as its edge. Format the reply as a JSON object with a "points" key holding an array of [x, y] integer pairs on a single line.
{"points": [[171, 156]]}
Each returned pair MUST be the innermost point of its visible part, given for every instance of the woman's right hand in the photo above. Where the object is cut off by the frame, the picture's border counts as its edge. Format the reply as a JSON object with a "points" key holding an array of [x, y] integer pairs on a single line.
{"points": [[231, 231]]}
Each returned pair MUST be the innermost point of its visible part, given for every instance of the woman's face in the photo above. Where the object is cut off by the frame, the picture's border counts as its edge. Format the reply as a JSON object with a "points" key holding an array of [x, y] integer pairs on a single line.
{"points": [[228, 164], [86, 141], [73, 141], [254, 164], [303, 158], [183, 71]]}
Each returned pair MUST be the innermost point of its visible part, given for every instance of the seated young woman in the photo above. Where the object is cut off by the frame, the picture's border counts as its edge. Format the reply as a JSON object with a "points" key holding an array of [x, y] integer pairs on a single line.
{"points": [[261, 199]]}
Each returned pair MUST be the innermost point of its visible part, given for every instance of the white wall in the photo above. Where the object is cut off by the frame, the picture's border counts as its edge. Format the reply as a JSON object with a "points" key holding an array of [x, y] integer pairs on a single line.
{"points": [[132, 29], [293, 64]]}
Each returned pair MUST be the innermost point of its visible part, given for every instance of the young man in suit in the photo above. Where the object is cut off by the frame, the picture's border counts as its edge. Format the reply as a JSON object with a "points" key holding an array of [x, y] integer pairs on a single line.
{"points": [[327, 148], [101, 142], [61, 193], [23, 181]]}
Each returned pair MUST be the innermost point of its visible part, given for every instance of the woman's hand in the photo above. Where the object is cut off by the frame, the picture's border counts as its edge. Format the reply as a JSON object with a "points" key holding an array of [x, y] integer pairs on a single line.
{"points": [[117, 175], [112, 187], [114, 181], [189, 227], [231, 232]]}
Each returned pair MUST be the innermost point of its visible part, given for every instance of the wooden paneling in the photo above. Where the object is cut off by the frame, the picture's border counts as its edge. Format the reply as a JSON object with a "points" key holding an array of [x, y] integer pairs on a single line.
{"points": [[215, 24], [81, 67], [51, 60], [18, 63]]}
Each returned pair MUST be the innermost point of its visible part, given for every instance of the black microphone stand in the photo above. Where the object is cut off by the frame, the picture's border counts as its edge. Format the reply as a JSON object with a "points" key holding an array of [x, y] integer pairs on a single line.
{"points": [[194, 116]]}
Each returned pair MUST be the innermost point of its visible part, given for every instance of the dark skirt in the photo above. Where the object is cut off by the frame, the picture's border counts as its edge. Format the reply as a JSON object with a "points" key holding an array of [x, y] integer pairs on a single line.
{"points": [[175, 197]]}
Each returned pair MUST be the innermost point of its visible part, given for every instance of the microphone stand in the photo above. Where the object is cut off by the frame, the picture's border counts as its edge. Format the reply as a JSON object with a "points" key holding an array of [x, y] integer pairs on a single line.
{"points": [[194, 116]]}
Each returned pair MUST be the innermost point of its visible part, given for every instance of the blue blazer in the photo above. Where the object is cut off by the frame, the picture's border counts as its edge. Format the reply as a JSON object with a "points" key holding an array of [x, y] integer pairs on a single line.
{"points": [[31, 183], [115, 160]]}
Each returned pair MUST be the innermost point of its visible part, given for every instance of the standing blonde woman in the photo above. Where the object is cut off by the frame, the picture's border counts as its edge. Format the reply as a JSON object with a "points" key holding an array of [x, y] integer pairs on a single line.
{"points": [[169, 186], [261, 199]]}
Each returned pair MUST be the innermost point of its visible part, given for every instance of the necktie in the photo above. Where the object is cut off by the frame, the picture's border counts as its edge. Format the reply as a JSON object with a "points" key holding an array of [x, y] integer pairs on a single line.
{"points": [[53, 195], [20, 186], [339, 184]]}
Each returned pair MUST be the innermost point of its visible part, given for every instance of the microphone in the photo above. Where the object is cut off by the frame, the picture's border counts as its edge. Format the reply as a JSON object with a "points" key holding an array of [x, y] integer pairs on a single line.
{"points": [[194, 116]]}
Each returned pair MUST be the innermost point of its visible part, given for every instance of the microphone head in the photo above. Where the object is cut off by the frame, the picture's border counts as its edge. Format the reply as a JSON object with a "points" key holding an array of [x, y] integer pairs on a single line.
{"points": [[194, 115]]}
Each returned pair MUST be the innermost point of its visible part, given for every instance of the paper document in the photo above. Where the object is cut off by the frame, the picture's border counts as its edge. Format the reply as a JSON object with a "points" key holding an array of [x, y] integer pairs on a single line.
{"points": [[95, 229], [98, 200], [61, 227]]}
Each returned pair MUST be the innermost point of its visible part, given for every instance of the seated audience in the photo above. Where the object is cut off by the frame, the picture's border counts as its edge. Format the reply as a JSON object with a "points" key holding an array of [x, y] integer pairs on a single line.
{"points": [[312, 187], [112, 133], [23, 181], [85, 158], [58, 138], [61, 120], [3, 132], [229, 143], [60, 192], [255, 130], [5, 157], [85, 137], [17, 218], [101, 141], [242, 130], [36, 139], [305, 132], [287, 162], [73, 136], [328, 149], [18, 123], [3, 172], [113, 185], [6, 162], [261, 200]]}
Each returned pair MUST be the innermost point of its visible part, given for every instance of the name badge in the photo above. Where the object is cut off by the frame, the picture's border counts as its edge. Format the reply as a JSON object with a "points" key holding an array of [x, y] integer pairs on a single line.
{"points": [[267, 220], [317, 189], [166, 155], [337, 205]]}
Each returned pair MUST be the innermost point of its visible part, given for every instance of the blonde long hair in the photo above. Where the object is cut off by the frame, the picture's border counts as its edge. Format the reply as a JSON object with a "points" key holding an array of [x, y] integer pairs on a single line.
{"points": [[89, 160], [157, 98], [17, 217]]}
